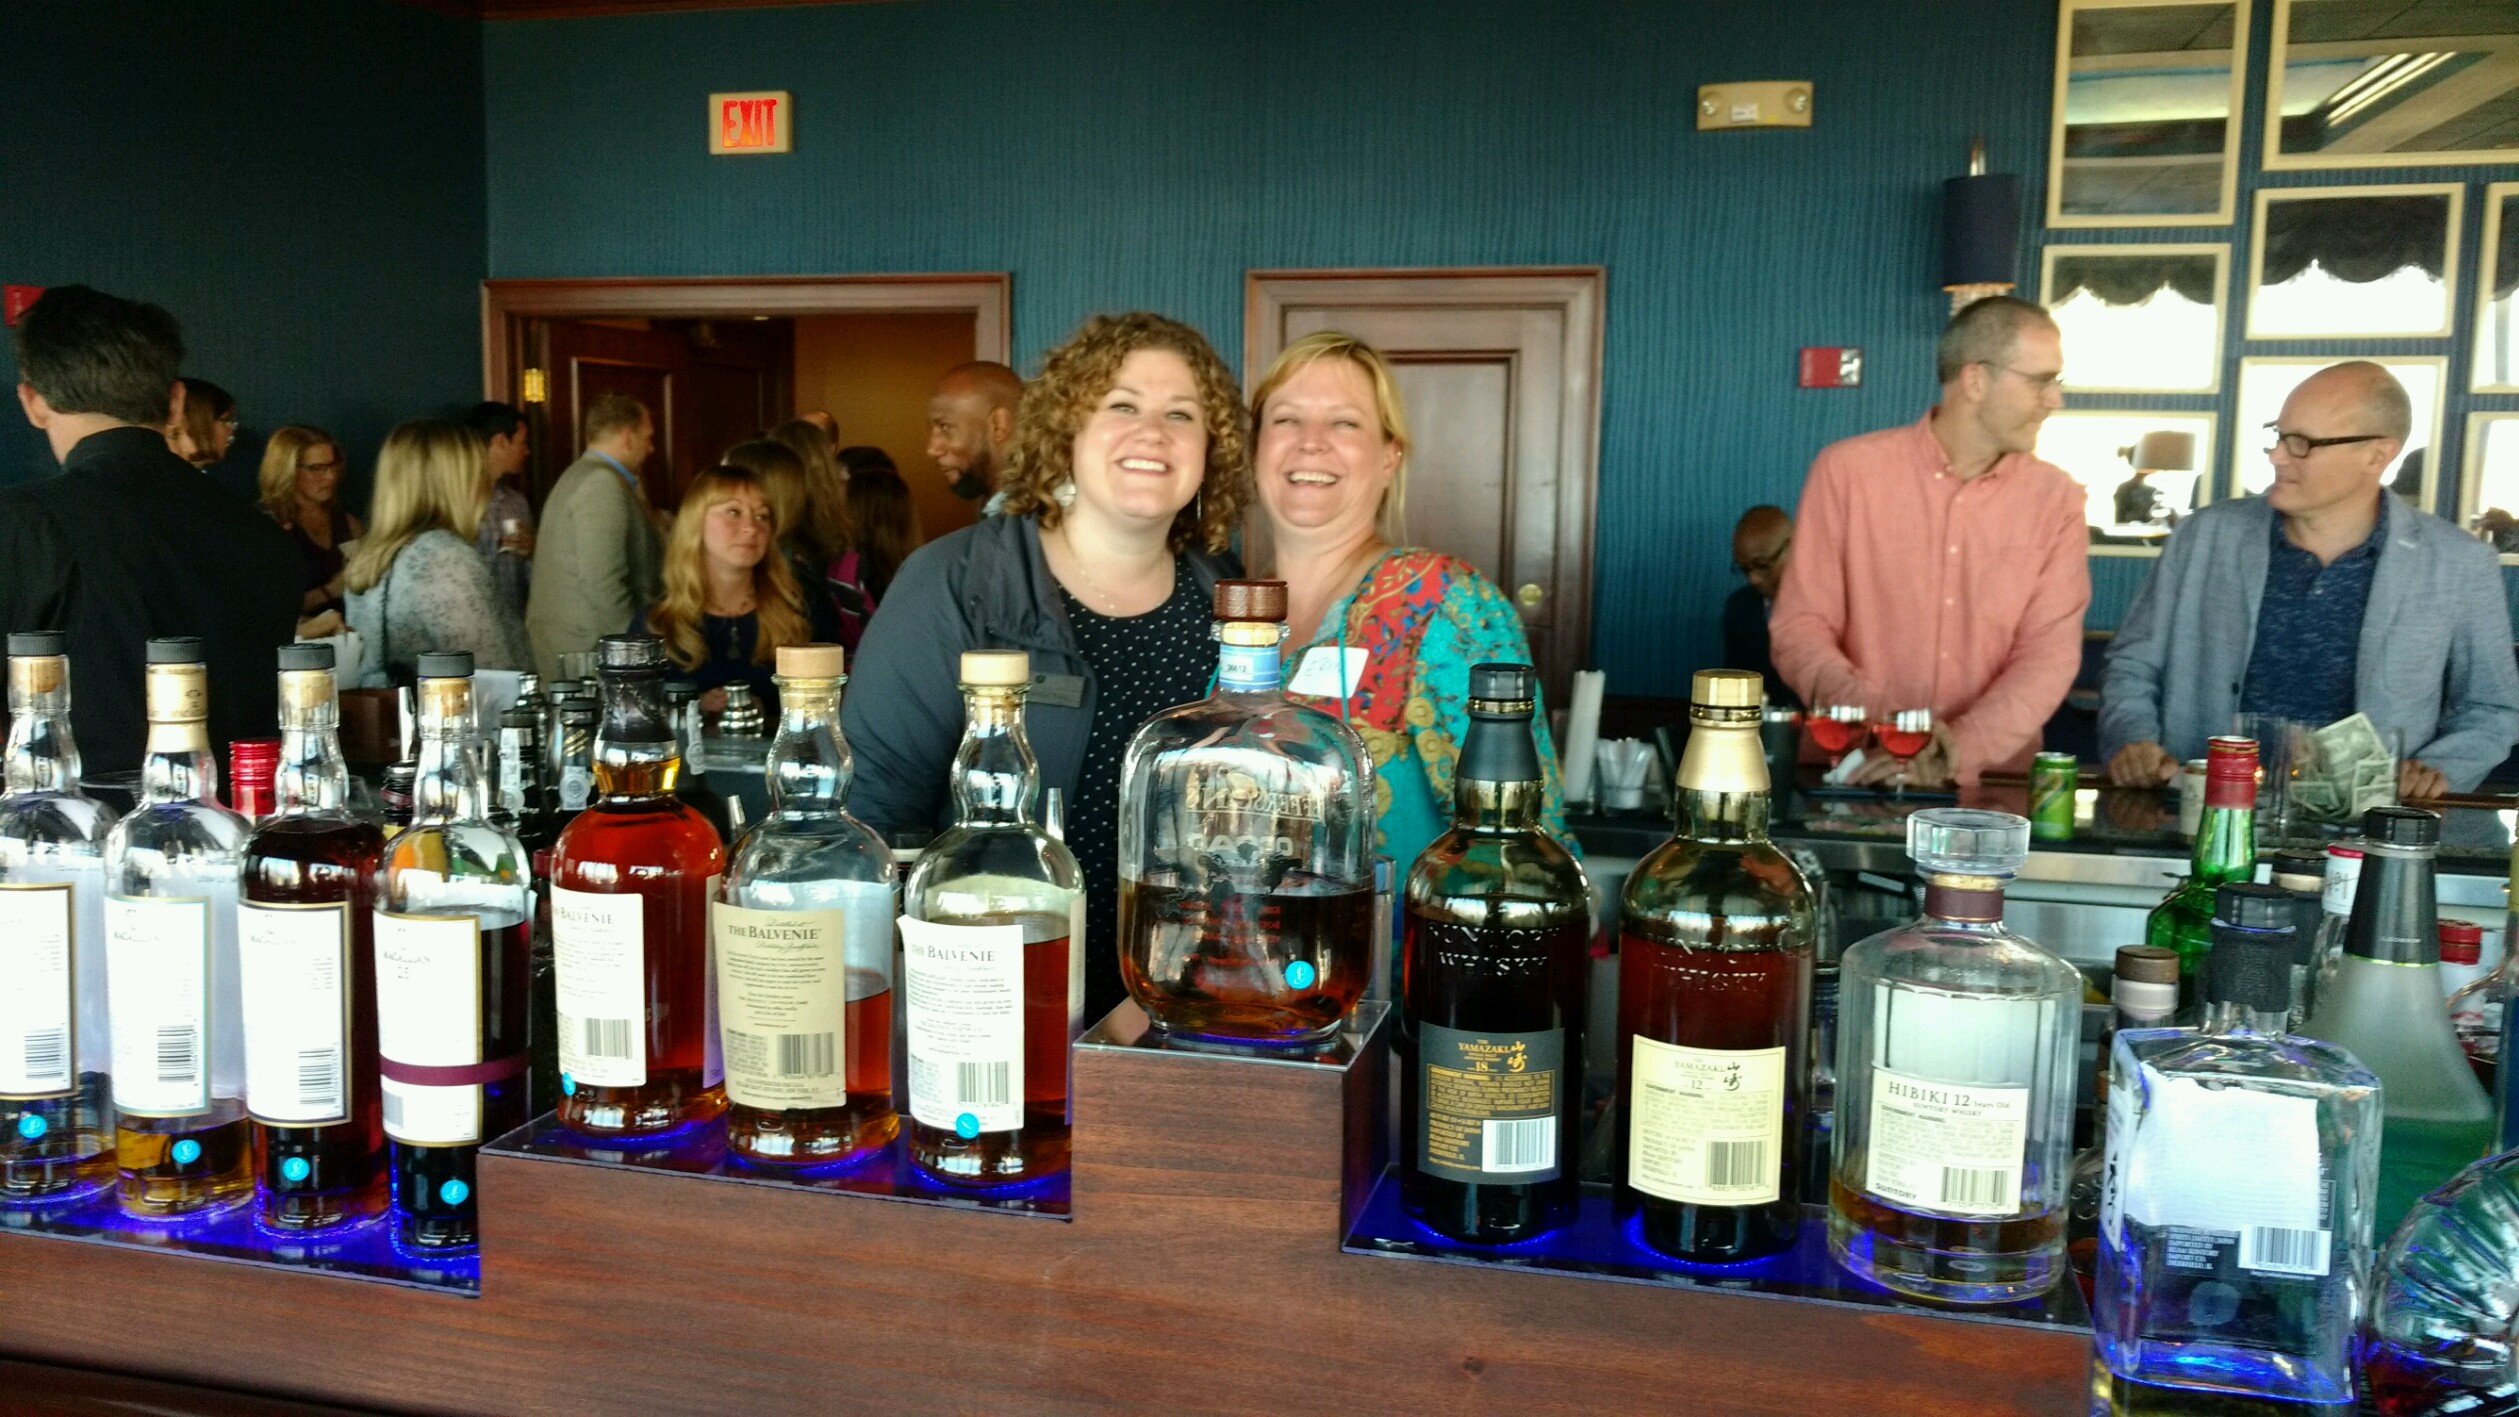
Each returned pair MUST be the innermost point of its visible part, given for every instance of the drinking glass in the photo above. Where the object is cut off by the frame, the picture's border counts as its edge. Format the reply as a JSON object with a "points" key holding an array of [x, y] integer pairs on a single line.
{"points": [[1903, 735], [1838, 729]]}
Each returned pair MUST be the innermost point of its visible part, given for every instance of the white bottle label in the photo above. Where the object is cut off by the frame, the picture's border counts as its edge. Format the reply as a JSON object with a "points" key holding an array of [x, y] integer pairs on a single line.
{"points": [[1943, 1146], [39, 993], [295, 968], [2344, 878], [963, 985], [157, 973], [599, 958], [1709, 1124], [428, 1015], [577, 787], [782, 995], [712, 1043], [2219, 1166]]}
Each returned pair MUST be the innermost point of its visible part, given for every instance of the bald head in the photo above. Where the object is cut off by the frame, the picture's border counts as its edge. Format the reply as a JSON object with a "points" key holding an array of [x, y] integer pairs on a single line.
{"points": [[1762, 541], [970, 422], [2364, 393], [2350, 421]]}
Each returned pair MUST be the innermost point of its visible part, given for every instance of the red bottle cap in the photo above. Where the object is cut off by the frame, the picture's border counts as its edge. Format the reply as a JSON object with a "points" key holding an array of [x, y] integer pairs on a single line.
{"points": [[2230, 772], [2461, 943], [252, 763]]}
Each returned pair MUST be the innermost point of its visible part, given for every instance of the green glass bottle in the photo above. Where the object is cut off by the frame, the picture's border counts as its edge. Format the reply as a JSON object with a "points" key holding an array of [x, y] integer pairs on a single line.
{"points": [[2225, 852]]}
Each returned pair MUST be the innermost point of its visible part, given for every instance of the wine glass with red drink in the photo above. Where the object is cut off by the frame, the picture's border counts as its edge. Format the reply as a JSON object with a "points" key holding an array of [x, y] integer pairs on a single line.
{"points": [[1838, 729], [1905, 734]]}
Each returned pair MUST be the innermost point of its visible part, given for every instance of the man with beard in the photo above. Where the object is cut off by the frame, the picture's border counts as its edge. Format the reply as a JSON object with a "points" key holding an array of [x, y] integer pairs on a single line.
{"points": [[970, 422]]}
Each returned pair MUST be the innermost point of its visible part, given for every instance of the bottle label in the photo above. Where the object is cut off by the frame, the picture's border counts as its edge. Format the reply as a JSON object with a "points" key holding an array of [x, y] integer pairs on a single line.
{"points": [[2344, 873], [294, 965], [1945, 1146], [39, 993], [964, 988], [1246, 669], [599, 960], [428, 1015], [577, 787], [1490, 1103], [1709, 1123], [712, 1042], [157, 977], [782, 997], [2223, 1175], [514, 749]]}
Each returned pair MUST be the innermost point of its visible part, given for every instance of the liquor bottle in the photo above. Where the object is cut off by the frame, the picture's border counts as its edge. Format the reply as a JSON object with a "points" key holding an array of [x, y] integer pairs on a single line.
{"points": [[2301, 875], [2144, 991], [2436, 1341], [2343, 880], [579, 721], [802, 936], [2242, 1166], [631, 882], [527, 807], [1714, 1000], [182, 1143], [393, 796], [1494, 969], [2225, 851], [1955, 1050], [451, 950], [682, 708], [307, 956], [1246, 851], [2461, 956], [521, 798], [2385, 1008], [56, 1117], [2476, 1013], [992, 956]]}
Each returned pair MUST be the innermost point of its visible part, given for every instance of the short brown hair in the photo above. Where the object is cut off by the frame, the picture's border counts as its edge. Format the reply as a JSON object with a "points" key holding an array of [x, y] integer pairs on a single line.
{"points": [[1985, 333], [1074, 378], [613, 413]]}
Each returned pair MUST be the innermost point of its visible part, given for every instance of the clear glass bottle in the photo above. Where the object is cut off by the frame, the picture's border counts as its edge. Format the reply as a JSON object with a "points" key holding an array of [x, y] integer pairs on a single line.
{"points": [[1714, 1003], [803, 937], [56, 1055], [2343, 879], [992, 950], [1246, 851], [2477, 1010], [2144, 991], [307, 958], [2242, 1171], [2438, 1339], [631, 882], [2225, 851], [452, 949], [1495, 966], [172, 868], [1955, 1077], [2302, 876]]}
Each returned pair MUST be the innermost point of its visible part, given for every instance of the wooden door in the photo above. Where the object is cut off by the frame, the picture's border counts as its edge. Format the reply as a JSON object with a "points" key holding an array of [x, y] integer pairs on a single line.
{"points": [[1500, 372], [588, 360]]}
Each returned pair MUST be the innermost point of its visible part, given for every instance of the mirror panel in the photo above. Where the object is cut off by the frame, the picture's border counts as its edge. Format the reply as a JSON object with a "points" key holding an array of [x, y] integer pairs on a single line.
{"points": [[2265, 382], [2393, 83], [2488, 493], [2497, 293], [2138, 319], [2141, 473], [2147, 98], [2350, 262]]}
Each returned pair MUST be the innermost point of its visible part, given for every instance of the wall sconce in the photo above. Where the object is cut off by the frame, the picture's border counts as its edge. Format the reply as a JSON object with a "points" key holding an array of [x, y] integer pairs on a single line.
{"points": [[1980, 232], [2162, 451], [534, 387]]}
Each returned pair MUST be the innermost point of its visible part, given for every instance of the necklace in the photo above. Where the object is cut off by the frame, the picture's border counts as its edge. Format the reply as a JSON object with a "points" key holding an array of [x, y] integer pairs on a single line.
{"points": [[1101, 599]]}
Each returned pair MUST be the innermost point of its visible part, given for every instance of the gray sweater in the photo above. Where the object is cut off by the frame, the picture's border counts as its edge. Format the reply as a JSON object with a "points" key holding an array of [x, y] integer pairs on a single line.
{"points": [[436, 595], [2435, 661]]}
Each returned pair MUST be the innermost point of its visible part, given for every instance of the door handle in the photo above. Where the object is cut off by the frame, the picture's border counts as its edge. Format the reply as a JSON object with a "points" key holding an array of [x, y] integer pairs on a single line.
{"points": [[1530, 595]]}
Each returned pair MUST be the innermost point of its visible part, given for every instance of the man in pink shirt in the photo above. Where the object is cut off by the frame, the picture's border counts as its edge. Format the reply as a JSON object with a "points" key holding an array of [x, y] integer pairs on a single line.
{"points": [[1940, 566]]}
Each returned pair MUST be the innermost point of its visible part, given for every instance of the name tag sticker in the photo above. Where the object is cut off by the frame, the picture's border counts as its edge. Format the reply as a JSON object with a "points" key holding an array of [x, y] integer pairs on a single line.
{"points": [[1058, 690], [1325, 668]]}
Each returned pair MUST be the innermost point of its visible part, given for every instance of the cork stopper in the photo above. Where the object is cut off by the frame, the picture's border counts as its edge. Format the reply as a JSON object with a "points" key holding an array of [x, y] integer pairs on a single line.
{"points": [[1263, 601], [811, 661], [305, 689], [996, 668], [39, 662], [2147, 964], [179, 690], [1727, 689]]}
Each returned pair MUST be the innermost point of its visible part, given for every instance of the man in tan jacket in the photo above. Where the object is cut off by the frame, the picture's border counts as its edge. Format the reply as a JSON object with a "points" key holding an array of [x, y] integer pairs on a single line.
{"points": [[598, 561]]}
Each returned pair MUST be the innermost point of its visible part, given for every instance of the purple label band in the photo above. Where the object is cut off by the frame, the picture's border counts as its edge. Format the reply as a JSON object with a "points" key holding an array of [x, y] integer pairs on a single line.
{"points": [[466, 1075]]}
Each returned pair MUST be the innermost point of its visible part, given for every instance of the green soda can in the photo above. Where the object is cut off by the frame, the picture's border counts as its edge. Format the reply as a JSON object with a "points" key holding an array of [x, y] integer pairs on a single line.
{"points": [[2052, 778]]}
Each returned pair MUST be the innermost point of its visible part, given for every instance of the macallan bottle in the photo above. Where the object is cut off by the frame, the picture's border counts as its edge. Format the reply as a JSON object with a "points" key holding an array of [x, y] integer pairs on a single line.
{"points": [[1493, 971], [452, 942], [308, 970], [183, 1143], [631, 882], [1714, 1002], [992, 949], [802, 935], [56, 1109]]}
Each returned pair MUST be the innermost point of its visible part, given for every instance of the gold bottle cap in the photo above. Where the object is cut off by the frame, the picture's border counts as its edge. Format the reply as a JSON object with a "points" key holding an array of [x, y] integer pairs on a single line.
{"points": [[1727, 688], [1251, 600], [811, 661], [996, 668]]}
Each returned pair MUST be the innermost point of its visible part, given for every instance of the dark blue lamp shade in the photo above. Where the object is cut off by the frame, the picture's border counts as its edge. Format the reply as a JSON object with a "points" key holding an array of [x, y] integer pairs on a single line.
{"points": [[1980, 230]]}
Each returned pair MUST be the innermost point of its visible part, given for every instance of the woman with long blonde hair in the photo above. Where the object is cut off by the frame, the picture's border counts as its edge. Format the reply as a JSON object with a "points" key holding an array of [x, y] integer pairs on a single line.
{"points": [[730, 599], [300, 488], [415, 582]]}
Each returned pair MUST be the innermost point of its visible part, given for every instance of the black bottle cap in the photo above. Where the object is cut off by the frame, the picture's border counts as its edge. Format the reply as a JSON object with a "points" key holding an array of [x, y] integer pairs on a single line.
{"points": [[446, 664], [632, 652], [681, 691], [577, 711], [297, 658], [2308, 866], [1502, 683], [2252, 907], [2250, 968], [519, 717], [2402, 826], [38, 644], [176, 649]]}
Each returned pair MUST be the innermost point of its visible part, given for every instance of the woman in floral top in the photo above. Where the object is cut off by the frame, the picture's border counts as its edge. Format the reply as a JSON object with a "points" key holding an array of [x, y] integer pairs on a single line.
{"points": [[1381, 633]]}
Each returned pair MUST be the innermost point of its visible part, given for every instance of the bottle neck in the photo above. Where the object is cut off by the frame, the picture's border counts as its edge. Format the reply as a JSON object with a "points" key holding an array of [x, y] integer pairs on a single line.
{"points": [[1723, 787], [2227, 1018], [994, 772], [450, 786], [809, 760], [2226, 845], [42, 756], [2396, 907], [179, 765], [1970, 902], [1498, 786], [637, 755], [312, 776], [1248, 657]]}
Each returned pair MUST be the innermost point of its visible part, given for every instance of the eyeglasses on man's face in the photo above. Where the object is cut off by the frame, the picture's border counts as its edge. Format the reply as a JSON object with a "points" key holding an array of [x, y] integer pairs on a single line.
{"points": [[2039, 383], [2301, 445], [1764, 563]]}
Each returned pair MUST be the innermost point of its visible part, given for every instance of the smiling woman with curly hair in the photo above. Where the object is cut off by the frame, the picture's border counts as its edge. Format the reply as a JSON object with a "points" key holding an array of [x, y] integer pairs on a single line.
{"points": [[1128, 470]]}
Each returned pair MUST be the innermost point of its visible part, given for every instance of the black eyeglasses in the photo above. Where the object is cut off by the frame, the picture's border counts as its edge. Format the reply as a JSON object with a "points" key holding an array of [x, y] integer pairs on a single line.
{"points": [[1767, 562], [2301, 445]]}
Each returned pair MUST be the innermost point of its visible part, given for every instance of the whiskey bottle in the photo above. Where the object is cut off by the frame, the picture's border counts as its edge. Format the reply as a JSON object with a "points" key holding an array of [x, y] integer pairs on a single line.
{"points": [[182, 1144], [307, 965], [1955, 1044], [1246, 863], [451, 952], [803, 942], [56, 1112], [631, 882], [1493, 967], [992, 950], [2225, 851], [1714, 1001]]}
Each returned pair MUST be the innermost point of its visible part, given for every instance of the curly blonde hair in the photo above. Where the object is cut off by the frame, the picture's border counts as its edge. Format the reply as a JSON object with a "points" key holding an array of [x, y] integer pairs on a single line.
{"points": [[1073, 379]]}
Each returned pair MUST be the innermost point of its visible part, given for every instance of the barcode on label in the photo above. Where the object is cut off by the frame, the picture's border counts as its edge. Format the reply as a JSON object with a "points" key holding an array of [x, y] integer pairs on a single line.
{"points": [[1529, 1144], [178, 1054], [606, 1037], [2276, 1251], [48, 1055], [807, 1055], [983, 1084], [1736, 1165], [319, 1079], [393, 1109], [1974, 1185]]}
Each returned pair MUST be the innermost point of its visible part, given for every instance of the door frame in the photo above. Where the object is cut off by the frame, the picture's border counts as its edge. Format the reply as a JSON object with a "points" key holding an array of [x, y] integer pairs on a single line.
{"points": [[1579, 292]]}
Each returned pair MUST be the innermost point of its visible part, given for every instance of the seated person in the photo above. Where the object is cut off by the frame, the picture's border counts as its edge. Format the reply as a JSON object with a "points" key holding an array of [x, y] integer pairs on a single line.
{"points": [[2324, 597], [730, 599], [1762, 543], [416, 584]]}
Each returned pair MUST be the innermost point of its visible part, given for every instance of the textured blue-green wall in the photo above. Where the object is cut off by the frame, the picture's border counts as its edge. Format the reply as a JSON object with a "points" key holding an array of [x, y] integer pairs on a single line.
{"points": [[299, 181], [1149, 152]]}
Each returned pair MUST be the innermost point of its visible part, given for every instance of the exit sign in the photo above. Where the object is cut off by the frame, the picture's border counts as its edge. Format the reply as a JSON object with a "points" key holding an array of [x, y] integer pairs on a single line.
{"points": [[749, 123]]}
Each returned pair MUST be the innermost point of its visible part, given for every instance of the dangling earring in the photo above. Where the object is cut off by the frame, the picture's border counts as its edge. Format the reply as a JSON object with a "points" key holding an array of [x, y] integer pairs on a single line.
{"points": [[1064, 494]]}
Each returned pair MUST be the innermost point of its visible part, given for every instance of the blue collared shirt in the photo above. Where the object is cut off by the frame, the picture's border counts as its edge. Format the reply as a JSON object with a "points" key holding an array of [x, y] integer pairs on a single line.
{"points": [[626, 475], [2309, 629]]}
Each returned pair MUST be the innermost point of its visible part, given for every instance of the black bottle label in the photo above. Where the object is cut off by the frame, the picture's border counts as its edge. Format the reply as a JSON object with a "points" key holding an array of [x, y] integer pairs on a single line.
{"points": [[1489, 1108]]}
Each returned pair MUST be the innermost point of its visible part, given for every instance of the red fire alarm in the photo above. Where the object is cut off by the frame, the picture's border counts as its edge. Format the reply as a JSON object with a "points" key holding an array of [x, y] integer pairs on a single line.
{"points": [[1832, 368], [15, 299]]}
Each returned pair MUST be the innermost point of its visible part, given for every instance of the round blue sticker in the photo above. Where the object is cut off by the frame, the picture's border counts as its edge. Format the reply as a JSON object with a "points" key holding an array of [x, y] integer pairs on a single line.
{"points": [[187, 1152], [966, 1126], [453, 1192], [295, 1169], [568, 1084], [31, 1126], [1300, 974]]}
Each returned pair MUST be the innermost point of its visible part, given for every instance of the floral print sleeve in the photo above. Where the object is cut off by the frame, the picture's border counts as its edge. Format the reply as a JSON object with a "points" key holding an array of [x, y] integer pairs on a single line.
{"points": [[1474, 623]]}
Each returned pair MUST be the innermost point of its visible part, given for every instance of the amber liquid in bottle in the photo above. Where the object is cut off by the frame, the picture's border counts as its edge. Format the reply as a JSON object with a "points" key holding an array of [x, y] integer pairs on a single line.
{"points": [[1224, 989], [1040, 1147]]}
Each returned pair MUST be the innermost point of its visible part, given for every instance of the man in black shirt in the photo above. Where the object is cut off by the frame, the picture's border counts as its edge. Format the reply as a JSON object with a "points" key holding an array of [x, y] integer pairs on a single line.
{"points": [[1761, 544], [130, 542]]}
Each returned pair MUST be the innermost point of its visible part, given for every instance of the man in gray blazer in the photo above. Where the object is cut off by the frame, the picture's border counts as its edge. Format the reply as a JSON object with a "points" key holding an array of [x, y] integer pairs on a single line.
{"points": [[2323, 597], [598, 561]]}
